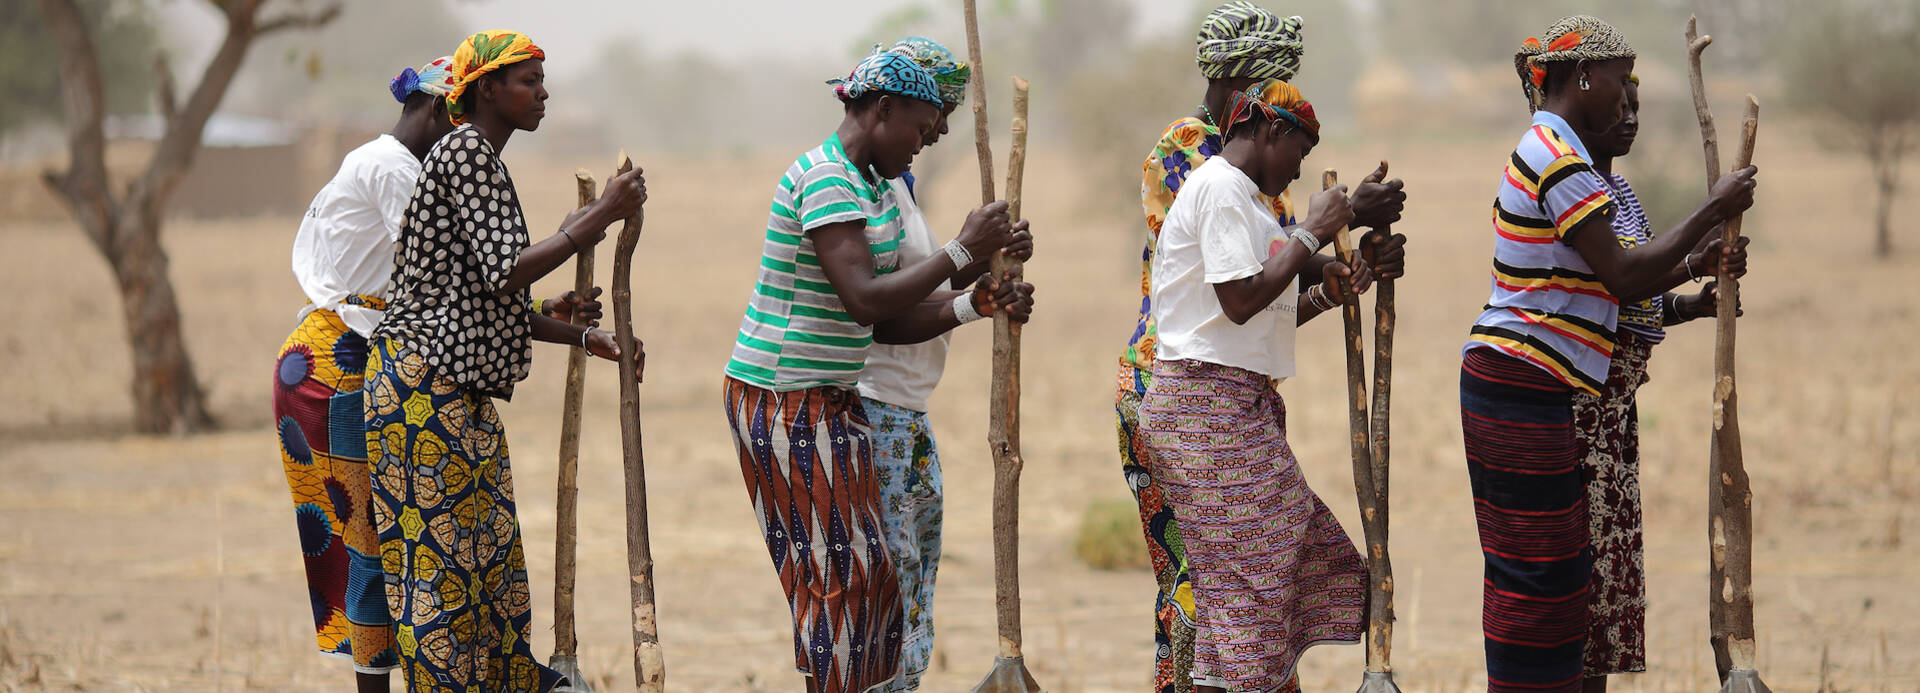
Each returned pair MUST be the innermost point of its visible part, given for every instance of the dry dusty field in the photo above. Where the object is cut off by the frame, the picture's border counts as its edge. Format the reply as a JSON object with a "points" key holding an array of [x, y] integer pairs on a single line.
{"points": [[132, 563]]}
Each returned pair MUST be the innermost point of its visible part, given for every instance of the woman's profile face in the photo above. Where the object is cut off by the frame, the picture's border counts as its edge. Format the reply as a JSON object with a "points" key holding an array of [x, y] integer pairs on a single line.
{"points": [[902, 128], [519, 94], [1605, 98]]}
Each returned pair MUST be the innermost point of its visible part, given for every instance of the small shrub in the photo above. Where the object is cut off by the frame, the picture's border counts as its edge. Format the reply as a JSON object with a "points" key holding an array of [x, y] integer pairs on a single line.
{"points": [[1109, 537]]}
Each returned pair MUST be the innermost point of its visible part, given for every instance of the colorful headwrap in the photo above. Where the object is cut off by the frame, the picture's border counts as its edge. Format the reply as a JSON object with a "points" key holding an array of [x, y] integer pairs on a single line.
{"points": [[1579, 37], [434, 78], [1239, 39], [483, 53], [1277, 100], [886, 72], [949, 74]]}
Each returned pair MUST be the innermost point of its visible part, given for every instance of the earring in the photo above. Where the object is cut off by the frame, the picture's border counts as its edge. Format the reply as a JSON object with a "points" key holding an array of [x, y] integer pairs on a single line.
{"points": [[1584, 86]]}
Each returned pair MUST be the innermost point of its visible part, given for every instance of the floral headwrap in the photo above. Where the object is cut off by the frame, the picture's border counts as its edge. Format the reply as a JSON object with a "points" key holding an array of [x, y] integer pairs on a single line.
{"points": [[949, 74], [888, 73], [1579, 37], [434, 78], [1239, 39], [483, 53], [1277, 100]]}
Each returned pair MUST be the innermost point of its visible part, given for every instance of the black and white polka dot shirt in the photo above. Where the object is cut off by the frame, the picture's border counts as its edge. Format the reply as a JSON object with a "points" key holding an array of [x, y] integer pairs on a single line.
{"points": [[459, 240]]}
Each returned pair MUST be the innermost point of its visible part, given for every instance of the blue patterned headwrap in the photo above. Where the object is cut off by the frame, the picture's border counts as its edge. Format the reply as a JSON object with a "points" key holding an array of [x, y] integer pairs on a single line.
{"points": [[888, 73], [949, 74], [434, 78]]}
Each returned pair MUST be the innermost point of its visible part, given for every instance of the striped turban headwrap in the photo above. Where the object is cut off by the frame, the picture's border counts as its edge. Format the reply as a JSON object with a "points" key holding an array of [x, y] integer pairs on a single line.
{"points": [[480, 54], [1275, 100], [1579, 37], [949, 74], [886, 72], [434, 79], [1239, 39]]}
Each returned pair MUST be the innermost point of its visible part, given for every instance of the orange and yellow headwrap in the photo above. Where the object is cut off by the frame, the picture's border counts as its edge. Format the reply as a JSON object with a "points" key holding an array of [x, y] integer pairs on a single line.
{"points": [[1277, 100], [482, 53]]}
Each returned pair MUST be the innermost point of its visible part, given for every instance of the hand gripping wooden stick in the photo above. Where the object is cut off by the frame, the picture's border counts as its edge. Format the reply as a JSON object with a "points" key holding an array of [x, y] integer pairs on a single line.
{"points": [[649, 665], [1379, 585], [566, 525]]}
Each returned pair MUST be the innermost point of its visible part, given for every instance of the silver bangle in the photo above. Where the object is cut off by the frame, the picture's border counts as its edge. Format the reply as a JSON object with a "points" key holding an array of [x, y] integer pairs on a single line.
{"points": [[1688, 261], [1306, 238], [963, 308], [583, 338], [958, 253], [1318, 297]]}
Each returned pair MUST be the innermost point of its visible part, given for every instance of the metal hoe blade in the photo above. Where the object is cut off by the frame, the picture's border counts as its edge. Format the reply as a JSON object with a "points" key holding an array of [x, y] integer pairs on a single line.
{"points": [[1378, 682], [1009, 675], [1744, 681], [569, 666]]}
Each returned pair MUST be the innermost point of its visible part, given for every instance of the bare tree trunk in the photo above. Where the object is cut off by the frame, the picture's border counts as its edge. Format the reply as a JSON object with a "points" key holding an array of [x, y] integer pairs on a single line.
{"points": [[166, 394], [1886, 179]]}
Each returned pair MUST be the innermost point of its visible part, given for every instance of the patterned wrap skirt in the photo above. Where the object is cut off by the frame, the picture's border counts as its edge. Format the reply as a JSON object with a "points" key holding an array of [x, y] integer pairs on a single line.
{"points": [[1273, 572], [911, 501], [1607, 429], [807, 459], [456, 576], [1530, 505], [323, 443], [1173, 591]]}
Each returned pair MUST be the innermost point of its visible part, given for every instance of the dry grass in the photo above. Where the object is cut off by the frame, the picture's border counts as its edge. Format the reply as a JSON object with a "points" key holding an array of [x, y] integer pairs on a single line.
{"points": [[108, 552]]}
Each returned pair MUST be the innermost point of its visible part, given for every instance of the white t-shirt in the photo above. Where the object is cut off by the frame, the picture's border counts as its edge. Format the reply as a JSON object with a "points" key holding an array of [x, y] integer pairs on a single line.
{"points": [[1217, 231], [345, 243], [904, 375]]}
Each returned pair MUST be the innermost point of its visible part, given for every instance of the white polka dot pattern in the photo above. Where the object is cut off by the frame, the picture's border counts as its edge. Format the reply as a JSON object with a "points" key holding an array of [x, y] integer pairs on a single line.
{"points": [[459, 240]]}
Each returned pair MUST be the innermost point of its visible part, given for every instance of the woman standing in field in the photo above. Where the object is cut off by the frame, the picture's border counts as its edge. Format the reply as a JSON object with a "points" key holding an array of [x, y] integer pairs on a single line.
{"points": [[1547, 332], [1273, 573], [1607, 425], [457, 334], [343, 259], [831, 281], [1239, 44], [896, 383]]}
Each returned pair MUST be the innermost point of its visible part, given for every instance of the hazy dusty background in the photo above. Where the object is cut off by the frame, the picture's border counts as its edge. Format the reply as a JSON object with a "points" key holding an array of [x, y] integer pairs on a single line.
{"points": [[162, 564]]}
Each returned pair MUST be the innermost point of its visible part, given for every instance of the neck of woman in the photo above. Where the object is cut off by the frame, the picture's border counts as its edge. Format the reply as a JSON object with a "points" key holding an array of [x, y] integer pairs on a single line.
{"points": [[1213, 103], [1245, 156], [493, 127], [853, 139], [414, 134]]}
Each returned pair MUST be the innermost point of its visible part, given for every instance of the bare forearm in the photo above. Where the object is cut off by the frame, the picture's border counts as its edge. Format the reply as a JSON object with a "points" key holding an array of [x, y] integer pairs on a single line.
{"points": [[547, 329], [1246, 297], [871, 300], [927, 320]]}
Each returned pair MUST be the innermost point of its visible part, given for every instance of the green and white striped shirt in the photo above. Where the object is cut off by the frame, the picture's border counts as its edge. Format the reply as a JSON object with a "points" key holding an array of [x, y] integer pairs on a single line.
{"points": [[796, 333]]}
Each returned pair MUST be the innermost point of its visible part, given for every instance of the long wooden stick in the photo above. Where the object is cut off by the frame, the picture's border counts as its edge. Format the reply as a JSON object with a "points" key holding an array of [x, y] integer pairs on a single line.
{"points": [[1709, 138], [982, 139], [1729, 496], [649, 665], [566, 527], [1379, 564], [1379, 620], [1003, 434]]}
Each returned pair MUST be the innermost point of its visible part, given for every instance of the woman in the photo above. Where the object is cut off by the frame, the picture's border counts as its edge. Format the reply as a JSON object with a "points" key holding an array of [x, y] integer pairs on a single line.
{"points": [[1239, 44], [831, 282], [895, 385], [1607, 426], [1272, 571], [1559, 271], [457, 334]]}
